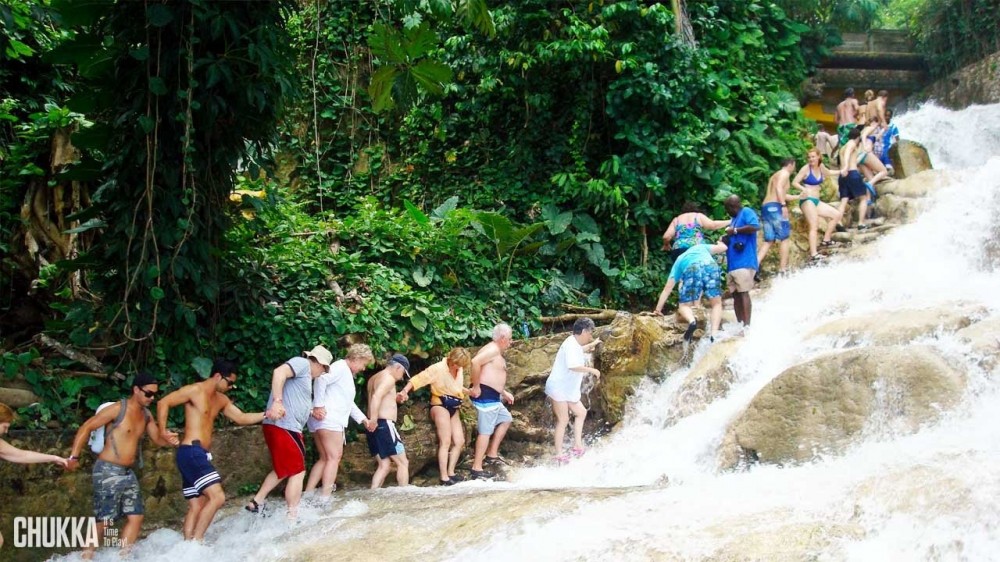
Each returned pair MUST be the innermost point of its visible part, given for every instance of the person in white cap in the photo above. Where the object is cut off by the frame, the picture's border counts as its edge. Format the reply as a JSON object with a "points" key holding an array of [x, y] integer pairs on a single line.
{"points": [[288, 409]]}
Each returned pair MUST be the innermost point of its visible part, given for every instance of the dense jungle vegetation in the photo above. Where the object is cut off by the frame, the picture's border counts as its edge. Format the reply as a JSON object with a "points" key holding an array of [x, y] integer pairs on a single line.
{"points": [[187, 179]]}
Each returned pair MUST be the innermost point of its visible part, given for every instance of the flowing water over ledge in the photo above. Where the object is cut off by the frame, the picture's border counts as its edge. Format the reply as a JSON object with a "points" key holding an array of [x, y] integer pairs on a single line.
{"points": [[652, 490]]}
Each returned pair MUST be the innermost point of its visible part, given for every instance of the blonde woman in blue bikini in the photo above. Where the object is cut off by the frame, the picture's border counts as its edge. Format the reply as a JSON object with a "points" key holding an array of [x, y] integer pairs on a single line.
{"points": [[809, 181]]}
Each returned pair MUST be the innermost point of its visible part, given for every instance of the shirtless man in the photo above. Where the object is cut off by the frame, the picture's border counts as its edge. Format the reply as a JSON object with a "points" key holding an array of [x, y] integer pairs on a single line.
{"points": [[851, 184], [116, 488], [774, 215], [847, 115], [489, 376], [384, 443], [876, 110], [203, 401]]}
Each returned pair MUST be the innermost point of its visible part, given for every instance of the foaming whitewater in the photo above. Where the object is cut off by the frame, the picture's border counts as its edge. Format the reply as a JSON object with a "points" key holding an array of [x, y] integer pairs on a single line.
{"points": [[653, 490]]}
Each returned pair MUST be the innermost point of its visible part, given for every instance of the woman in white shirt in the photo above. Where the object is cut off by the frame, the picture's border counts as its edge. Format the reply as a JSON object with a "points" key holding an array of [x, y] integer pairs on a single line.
{"points": [[333, 404], [563, 385]]}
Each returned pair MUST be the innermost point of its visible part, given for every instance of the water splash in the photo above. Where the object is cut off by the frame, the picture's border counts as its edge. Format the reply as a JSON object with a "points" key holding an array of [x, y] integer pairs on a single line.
{"points": [[652, 490]]}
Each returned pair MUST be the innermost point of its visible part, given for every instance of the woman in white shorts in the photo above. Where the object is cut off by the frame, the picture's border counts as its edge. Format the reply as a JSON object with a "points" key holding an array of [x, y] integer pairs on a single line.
{"points": [[333, 404], [563, 385]]}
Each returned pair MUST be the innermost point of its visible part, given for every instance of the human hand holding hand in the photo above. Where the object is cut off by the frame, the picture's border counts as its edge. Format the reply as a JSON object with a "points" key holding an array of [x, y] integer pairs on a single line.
{"points": [[370, 425], [276, 412], [475, 391], [319, 413], [401, 397], [72, 464], [172, 438], [60, 461]]}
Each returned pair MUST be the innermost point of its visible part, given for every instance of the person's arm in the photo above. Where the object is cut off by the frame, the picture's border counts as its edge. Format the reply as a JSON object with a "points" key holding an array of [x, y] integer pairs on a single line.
{"points": [[712, 224], [828, 171], [668, 236], [664, 295], [320, 388], [100, 419], [278, 378], [478, 361], [11, 453], [380, 392], [175, 398], [797, 180], [587, 348], [156, 436], [420, 380], [239, 417], [744, 229]]}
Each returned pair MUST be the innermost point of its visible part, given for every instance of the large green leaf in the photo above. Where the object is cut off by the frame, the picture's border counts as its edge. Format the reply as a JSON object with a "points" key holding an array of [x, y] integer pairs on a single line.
{"points": [[432, 75], [387, 44], [476, 13], [419, 41], [380, 88], [415, 213]]}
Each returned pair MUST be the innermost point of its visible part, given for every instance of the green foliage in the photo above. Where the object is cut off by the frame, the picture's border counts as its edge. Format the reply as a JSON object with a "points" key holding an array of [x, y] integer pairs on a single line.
{"points": [[951, 33], [530, 155]]}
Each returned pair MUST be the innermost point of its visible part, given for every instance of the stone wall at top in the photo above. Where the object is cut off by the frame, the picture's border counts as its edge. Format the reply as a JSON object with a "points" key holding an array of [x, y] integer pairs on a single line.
{"points": [[976, 84]]}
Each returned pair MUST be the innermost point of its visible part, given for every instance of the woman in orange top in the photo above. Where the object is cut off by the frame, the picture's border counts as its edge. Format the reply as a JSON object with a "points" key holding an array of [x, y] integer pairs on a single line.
{"points": [[447, 393]]}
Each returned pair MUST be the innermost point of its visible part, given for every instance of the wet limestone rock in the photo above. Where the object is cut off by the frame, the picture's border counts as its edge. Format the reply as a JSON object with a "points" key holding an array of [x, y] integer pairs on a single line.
{"points": [[984, 337], [909, 158], [822, 406], [893, 327], [708, 380], [634, 347]]}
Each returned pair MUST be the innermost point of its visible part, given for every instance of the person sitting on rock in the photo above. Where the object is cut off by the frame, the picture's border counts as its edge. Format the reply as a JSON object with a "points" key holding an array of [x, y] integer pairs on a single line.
{"points": [[447, 392], [698, 275], [564, 382], [809, 182]]}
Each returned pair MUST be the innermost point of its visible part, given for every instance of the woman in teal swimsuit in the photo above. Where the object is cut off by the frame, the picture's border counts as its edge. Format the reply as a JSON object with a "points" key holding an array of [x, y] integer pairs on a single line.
{"points": [[808, 181], [687, 229], [869, 164]]}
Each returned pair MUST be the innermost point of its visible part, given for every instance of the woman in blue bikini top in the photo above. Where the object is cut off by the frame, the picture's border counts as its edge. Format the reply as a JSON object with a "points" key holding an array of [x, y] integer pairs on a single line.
{"points": [[808, 181]]}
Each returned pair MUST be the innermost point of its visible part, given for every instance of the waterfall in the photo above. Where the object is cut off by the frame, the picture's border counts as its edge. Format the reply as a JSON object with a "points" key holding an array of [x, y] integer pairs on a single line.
{"points": [[653, 489]]}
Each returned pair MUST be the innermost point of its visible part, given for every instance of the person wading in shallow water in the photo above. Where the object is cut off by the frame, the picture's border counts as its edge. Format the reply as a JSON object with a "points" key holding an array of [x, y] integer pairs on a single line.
{"points": [[384, 443], [203, 402], [447, 391], [489, 377], [288, 409], [563, 385], [741, 255], [116, 488]]}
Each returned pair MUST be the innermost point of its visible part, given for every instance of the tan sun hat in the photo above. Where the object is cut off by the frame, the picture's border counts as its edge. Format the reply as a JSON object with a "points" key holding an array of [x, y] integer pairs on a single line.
{"points": [[321, 354]]}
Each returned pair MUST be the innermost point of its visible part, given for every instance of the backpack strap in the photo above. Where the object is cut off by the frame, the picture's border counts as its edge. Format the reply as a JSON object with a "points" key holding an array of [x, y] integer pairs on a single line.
{"points": [[110, 435]]}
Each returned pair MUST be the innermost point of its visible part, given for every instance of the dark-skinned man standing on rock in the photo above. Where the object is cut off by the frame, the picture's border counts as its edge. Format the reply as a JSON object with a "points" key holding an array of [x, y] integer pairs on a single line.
{"points": [[741, 255]]}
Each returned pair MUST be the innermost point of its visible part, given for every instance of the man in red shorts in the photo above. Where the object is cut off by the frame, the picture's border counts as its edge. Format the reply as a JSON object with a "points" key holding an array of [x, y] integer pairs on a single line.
{"points": [[288, 410]]}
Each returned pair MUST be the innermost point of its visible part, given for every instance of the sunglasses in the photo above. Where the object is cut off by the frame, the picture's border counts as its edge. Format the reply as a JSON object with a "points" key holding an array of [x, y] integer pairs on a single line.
{"points": [[149, 393], [231, 382]]}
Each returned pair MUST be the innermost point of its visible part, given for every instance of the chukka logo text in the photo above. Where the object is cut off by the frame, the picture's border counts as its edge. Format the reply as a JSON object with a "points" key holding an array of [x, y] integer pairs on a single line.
{"points": [[62, 532]]}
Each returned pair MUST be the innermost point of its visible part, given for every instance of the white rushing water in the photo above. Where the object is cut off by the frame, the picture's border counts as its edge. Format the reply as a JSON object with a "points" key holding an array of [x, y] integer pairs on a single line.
{"points": [[652, 489]]}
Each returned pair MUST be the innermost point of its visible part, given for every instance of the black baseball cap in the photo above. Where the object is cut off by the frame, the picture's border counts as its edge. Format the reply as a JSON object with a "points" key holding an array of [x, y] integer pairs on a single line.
{"points": [[401, 359]]}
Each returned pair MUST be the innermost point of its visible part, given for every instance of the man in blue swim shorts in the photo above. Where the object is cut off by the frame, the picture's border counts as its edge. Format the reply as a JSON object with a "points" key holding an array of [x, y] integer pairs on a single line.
{"points": [[203, 402], [774, 215]]}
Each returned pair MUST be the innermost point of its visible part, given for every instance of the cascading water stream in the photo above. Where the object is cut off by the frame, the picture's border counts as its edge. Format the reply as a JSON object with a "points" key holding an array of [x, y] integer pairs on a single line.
{"points": [[652, 490]]}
